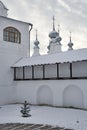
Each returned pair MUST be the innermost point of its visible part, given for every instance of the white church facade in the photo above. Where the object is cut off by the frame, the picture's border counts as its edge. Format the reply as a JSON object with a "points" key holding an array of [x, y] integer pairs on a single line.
{"points": [[57, 78]]}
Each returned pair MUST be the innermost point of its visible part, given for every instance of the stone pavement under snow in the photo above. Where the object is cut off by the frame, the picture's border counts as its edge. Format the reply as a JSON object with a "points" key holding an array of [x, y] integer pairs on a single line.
{"points": [[29, 127], [49, 117]]}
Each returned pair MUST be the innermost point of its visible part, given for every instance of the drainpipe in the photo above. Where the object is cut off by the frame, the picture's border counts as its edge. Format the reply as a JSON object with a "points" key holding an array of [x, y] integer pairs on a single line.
{"points": [[31, 26]]}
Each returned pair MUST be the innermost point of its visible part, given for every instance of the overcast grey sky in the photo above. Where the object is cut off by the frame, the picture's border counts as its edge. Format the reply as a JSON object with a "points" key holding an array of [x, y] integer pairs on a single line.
{"points": [[70, 14]]}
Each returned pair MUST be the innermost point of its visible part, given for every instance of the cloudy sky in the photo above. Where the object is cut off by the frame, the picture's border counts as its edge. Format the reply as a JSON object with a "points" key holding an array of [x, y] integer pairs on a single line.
{"points": [[70, 14]]}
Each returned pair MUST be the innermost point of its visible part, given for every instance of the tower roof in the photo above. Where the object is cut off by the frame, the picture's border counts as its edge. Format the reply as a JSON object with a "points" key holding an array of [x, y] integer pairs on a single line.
{"points": [[64, 57], [53, 33]]}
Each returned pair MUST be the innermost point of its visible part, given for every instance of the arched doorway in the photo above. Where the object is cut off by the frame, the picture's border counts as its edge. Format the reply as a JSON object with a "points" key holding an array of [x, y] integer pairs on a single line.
{"points": [[44, 95], [73, 96]]}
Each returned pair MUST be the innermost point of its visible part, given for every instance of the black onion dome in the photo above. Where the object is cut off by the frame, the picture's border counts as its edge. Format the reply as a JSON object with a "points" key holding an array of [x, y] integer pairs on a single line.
{"points": [[70, 44], [53, 34], [36, 42]]}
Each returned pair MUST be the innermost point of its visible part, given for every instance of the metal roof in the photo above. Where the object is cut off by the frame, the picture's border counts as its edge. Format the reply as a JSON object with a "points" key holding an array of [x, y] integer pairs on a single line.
{"points": [[63, 57]]}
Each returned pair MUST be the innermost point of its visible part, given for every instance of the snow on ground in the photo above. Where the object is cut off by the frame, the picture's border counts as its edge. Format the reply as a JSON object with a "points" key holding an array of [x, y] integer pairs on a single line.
{"points": [[68, 118]]}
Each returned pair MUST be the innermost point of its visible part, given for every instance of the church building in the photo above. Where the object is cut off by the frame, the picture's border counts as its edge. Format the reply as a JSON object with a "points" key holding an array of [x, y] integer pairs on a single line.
{"points": [[57, 78]]}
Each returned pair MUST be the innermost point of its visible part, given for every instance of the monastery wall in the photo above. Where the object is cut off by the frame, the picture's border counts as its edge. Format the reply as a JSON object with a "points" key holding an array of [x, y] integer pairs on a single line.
{"points": [[68, 88], [53, 92], [79, 69]]}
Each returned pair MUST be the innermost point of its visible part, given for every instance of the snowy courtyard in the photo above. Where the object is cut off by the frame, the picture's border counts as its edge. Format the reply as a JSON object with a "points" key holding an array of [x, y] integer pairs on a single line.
{"points": [[61, 117]]}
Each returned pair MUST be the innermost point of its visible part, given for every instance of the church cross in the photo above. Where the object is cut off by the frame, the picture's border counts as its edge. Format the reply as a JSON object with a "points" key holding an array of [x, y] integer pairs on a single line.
{"points": [[58, 28], [53, 23], [36, 34]]}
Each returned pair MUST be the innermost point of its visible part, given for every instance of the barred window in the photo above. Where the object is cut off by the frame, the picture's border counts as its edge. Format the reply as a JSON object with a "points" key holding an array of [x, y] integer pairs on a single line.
{"points": [[11, 34]]}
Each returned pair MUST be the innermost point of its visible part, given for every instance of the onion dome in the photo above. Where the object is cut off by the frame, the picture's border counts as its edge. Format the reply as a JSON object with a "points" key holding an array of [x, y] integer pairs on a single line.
{"points": [[36, 42], [58, 38], [53, 33], [70, 44]]}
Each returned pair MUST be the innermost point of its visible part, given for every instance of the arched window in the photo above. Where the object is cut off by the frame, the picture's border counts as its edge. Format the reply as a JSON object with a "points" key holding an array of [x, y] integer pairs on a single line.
{"points": [[11, 34]]}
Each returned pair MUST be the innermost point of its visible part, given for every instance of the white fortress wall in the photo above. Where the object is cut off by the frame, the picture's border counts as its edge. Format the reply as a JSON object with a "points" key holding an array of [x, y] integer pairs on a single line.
{"points": [[57, 92], [53, 92]]}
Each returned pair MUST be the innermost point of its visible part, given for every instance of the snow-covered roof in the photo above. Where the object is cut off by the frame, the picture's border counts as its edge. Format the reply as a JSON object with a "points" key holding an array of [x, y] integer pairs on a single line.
{"points": [[16, 20], [63, 57]]}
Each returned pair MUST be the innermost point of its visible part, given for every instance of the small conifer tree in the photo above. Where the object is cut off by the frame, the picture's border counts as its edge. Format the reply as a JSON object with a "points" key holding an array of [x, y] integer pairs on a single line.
{"points": [[25, 110]]}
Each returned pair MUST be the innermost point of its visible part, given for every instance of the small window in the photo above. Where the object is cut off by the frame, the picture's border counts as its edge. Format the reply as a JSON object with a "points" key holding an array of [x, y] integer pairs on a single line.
{"points": [[11, 34]]}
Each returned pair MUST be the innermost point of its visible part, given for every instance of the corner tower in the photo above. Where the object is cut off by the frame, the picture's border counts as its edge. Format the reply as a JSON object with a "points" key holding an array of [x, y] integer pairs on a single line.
{"points": [[14, 44]]}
